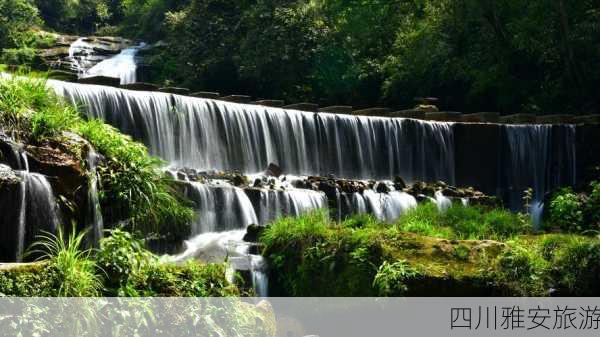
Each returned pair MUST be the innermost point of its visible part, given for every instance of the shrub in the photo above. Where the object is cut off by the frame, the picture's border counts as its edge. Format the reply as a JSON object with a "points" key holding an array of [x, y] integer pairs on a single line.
{"points": [[75, 271], [391, 278], [522, 271], [121, 256], [566, 211], [577, 267], [592, 207]]}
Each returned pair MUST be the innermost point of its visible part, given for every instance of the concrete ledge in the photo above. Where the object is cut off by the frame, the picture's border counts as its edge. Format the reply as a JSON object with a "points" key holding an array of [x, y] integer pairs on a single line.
{"points": [[481, 117], [312, 107], [270, 102], [337, 109], [443, 116], [588, 119], [141, 86], [371, 112], [174, 90], [101, 80], [237, 98], [415, 114], [518, 119], [206, 94], [555, 119]]}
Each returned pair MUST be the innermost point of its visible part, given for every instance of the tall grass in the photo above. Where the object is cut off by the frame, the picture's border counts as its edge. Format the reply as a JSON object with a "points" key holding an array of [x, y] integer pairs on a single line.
{"points": [[463, 222], [75, 269]]}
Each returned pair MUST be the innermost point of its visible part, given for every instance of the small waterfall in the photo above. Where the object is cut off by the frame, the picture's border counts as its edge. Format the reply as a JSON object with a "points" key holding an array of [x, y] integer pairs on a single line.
{"points": [[541, 157], [38, 210], [94, 212], [442, 202], [122, 66], [273, 204], [81, 55], [386, 207], [220, 208]]}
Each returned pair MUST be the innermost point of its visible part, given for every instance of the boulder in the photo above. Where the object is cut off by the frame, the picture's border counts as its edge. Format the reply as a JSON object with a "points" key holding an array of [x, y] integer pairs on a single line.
{"points": [[274, 170], [311, 107], [253, 232]]}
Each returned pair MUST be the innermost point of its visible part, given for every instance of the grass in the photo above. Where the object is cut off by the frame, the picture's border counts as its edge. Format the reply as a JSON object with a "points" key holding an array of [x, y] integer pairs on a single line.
{"points": [[72, 264], [460, 222], [134, 189], [121, 267]]}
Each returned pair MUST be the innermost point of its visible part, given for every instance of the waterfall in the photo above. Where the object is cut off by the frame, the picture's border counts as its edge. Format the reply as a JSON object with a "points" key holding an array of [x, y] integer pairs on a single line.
{"points": [[122, 66], [94, 219], [273, 204], [541, 157], [81, 55], [220, 208], [386, 207], [37, 210], [218, 135]]}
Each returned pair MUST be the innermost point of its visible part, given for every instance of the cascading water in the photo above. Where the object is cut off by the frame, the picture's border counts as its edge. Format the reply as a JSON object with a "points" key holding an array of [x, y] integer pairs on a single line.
{"points": [[122, 66], [37, 210], [81, 55], [94, 219], [208, 134], [273, 204], [540, 157], [220, 208], [386, 207], [216, 135]]}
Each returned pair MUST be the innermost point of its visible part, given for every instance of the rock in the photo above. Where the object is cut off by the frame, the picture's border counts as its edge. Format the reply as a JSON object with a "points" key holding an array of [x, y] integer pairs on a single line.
{"points": [[253, 232], [8, 176], [399, 183], [237, 98], [382, 188], [206, 94], [63, 75], [274, 170], [239, 180]]}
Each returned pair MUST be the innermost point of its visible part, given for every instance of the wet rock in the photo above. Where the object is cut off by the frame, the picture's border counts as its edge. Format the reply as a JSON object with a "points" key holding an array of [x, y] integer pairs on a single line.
{"points": [[175, 90], [239, 180], [382, 188], [274, 170], [253, 232], [8, 176], [399, 183], [140, 86]]}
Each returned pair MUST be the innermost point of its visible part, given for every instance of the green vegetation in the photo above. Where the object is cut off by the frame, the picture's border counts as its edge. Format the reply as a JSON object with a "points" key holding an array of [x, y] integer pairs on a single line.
{"points": [[133, 187], [425, 254], [121, 267], [578, 213], [508, 56], [466, 223]]}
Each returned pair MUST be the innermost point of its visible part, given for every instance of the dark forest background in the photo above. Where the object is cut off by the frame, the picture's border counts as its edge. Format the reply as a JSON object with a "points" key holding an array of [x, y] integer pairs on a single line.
{"points": [[475, 55]]}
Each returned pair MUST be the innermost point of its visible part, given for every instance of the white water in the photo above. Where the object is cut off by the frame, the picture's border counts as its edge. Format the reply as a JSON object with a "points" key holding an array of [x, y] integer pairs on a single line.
{"points": [[81, 55], [122, 66], [94, 219], [38, 209], [541, 157], [386, 207], [218, 135], [275, 204]]}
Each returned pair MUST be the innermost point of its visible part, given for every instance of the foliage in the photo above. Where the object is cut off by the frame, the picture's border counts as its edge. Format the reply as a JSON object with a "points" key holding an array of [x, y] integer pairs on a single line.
{"points": [[17, 17], [390, 278], [134, 189], [591, 208], [121, 267], [566, 211], [121, 256], [73, 267]]}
